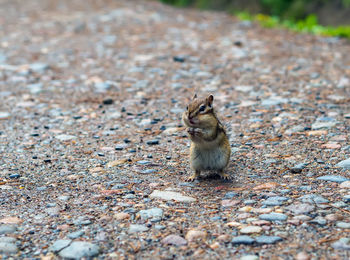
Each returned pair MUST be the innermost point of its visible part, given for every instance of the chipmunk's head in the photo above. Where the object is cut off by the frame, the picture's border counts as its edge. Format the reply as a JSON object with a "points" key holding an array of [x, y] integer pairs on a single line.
{"points": [[199, 112]]}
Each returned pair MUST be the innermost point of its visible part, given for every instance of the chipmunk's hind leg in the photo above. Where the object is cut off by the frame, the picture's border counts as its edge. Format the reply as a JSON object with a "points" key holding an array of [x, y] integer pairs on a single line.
{"points": [[194, 176], [224, 175]]}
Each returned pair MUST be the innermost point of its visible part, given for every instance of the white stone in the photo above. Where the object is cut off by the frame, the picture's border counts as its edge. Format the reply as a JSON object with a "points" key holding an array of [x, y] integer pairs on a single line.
{"points": [[344, 164], [171, 195], [249, 257], [251, 230], [4, 115], [64, 137]]}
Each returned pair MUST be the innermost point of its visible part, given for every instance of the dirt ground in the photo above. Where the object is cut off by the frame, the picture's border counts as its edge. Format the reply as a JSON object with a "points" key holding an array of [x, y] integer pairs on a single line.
{"points": [[94, 156]]}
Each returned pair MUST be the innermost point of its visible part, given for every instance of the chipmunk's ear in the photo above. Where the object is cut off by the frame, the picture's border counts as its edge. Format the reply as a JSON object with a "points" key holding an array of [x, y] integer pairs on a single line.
{"points": [[194, 97], [210, 100]]}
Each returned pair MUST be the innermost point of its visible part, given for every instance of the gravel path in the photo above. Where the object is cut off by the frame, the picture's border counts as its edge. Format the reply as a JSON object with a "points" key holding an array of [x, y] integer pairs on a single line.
{"points": [[94, 156]]}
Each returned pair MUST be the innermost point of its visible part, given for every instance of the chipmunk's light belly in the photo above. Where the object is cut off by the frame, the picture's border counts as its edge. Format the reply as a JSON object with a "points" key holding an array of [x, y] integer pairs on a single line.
{"points": [[209, 159]]}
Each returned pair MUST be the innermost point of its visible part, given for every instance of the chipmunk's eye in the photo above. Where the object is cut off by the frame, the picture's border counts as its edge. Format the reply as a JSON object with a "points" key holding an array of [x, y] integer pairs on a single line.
{"points": [[202, 108], [187, 108]]}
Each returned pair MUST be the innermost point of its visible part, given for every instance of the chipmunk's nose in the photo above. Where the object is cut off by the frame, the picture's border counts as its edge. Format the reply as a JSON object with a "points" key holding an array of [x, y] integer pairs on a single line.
{"points": [[190, 118]]}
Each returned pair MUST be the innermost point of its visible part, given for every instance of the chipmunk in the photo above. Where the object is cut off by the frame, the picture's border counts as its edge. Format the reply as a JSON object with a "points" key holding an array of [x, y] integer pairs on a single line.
{"points": [[210, 148]]}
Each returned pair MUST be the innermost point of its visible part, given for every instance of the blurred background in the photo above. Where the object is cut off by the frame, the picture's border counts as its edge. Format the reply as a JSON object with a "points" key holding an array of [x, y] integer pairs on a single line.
{"points": [[328, 12]]}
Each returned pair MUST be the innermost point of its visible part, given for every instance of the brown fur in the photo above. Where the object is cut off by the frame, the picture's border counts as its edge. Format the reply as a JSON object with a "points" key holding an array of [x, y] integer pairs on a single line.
{"points": [[210, 148]]}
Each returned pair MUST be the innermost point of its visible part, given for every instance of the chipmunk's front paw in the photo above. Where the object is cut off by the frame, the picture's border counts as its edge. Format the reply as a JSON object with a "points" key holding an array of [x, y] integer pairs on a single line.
{"points": [[195, 132], [191, 131]]}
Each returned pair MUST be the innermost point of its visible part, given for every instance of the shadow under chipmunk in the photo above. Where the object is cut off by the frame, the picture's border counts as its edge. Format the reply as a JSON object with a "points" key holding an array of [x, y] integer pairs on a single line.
{"points": [[213, 179]]}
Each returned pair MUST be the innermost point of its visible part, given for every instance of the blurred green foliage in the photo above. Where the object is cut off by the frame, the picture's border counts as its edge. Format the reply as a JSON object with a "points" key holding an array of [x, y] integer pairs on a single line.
{"points": [[307, 25], [290, 14]]}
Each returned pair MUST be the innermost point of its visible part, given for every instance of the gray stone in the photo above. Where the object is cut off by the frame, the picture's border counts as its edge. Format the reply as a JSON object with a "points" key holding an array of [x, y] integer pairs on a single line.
{"points": [[79, 249], [7, 229], [274, 101], [294, 129], [64, 137], [274, 201], [249, 257], [298, 168], [75, 234], [242, 240], [270, 161], [109, 39], [3, 57], [53, 211], [135, 228], [339, 204], [244, 88], [295, 100], [129, 196], [35, 88], [342, 244], [230, 195], [4, 115], [313, 198], [249, 202], [333, 178], [148, 171], [273, 216], [176, 85], [305, 188], [82, 220], [152, 142], [268, 239], [63, 198], [174, 240], [154, 213], [38, 67], [344, 164], [143, 162], [8, 248], [325, 119], [176, 110], [159, 227], [59, 245], [302, 208], [114, 115], [102, 86], [171, 195], [322, 125], [346, 198], [343, 82], [141, 84], [344, 225], [319, 220], [204, 74], [7, 239]]}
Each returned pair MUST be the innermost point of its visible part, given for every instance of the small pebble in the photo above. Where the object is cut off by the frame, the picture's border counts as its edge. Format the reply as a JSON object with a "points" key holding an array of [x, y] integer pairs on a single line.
{"points": [[242, 240], [268, 239], [273, 217], [108, 101], [251, 230], [152, 142], [136, 228], [174, 240], [193, 235], [344, 225]]}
